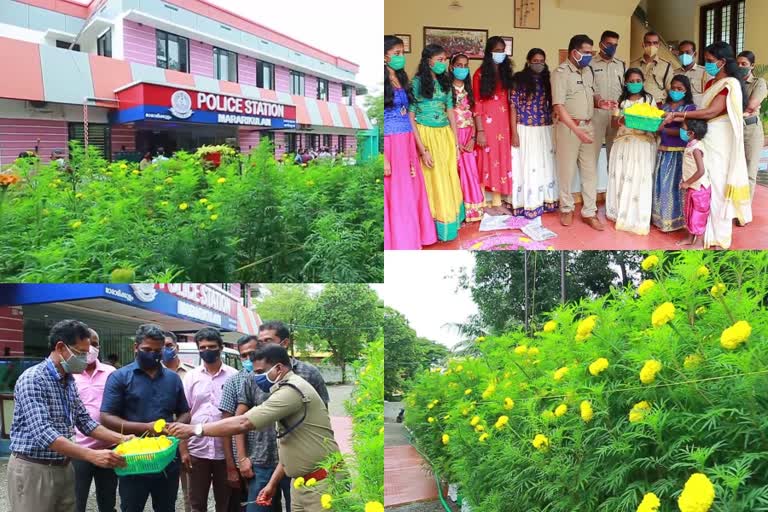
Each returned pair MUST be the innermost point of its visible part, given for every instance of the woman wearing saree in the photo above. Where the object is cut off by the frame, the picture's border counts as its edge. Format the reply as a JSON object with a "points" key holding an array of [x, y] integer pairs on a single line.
{"points": [[723, 109]]}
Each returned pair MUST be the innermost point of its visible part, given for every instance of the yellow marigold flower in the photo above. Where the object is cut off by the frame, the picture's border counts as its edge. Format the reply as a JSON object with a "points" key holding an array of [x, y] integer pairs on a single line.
{"points": [[700, 310], [650, 262], [560, 410], [491, 389], [298, 483], [533, 351], [210, 207], [548, 415], [550, 326], [326, 500], [650, 503], [692, 361], [76, 224], [483, 437], [79, 195], [735, 335], [203, 200], [431, 405], [598, 367], [446, 438], [214, 216], [646, 286], [649, 371], [465, 412], [501, 422], [521, 349], [468, 391], [459, 369], [447, 417], [374, 506], [430, 420], [381, 430], [474, 421], [480, 339], [135, 172], [221, 181], [311, 482], [639, 411], [183, 206], [123, 166], [586, 411], [702, 271], [718, 290], [560, 373], [479, 428], [698, 494], [540, 442], [663, 314], [585, 328], [508, 403]]}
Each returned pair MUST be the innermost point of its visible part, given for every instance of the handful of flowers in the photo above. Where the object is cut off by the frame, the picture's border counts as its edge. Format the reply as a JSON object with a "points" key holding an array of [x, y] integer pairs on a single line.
{"points": [[644, 110], [143, 445]]}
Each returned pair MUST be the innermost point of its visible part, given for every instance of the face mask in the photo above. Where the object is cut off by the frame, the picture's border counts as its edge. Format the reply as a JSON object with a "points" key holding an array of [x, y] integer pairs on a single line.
{"points": [[712, 68], [461, 73], [148, 360], [248, 365], [439, 68], [396, 62], [676, 95], [651, 51], [584, 60], [537, 68], [684, 135], [263, 381], [93, 355], [210, 356], [635, 87], [169, 354], [744, 72], [610, 50], [686, 60], [499, 57], [75, 364]]}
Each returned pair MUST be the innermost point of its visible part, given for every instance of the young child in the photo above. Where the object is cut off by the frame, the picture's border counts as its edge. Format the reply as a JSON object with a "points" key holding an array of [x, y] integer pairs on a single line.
{"points": [[695, 180], [463, 103], [630, 170]]}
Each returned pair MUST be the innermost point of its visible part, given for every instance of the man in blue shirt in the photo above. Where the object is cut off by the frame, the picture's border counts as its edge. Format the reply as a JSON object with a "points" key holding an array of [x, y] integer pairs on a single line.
{"points": [[135, 397], [45, 414]]}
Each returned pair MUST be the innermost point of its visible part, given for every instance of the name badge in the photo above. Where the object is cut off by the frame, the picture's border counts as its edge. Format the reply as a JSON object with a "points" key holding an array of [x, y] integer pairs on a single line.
{"points": [[599, 70], [580, 82]]}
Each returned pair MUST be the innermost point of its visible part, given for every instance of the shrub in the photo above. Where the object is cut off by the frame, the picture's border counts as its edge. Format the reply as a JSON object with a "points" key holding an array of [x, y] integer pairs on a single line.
{"points": [[620, 397]]}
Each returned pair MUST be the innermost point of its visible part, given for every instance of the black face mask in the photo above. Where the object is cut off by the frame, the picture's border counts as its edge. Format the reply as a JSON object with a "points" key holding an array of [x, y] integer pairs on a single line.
{"points": [[210, 356], [148, 360]]}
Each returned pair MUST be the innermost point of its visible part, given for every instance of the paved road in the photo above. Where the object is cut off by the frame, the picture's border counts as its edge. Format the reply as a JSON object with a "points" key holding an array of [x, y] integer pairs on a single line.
{"points": [[338, 395]]}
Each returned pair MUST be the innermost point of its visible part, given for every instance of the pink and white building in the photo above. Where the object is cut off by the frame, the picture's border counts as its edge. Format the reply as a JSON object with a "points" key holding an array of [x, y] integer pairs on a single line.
{"points": [[141, 74]]}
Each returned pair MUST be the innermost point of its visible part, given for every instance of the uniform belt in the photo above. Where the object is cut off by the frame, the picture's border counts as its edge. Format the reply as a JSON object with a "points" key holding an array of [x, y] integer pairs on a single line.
{"points": [[44, 462], [320, 474], [751, 120]]}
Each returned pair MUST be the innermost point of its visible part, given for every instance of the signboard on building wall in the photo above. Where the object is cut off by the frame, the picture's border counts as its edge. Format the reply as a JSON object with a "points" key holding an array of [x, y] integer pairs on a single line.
{"points": [[165, 103]]}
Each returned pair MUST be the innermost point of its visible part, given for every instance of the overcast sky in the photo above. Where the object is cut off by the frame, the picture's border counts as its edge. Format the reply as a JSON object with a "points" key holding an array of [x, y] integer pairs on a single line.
{"points": [[422, 286]]}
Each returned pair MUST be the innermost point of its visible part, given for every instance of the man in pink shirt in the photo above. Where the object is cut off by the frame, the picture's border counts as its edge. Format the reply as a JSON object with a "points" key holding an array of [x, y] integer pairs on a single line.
{"points": [[202, 387], [90, 387]]}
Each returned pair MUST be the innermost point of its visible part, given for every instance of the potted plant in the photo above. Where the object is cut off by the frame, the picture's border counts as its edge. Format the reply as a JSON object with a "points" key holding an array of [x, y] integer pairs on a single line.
{"points": [[213, 154]]}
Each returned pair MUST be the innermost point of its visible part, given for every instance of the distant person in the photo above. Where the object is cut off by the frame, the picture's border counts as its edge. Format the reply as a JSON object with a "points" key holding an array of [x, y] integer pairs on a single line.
{"points": [[298, 160], [160, 155], [146, 161], [57, 156]]}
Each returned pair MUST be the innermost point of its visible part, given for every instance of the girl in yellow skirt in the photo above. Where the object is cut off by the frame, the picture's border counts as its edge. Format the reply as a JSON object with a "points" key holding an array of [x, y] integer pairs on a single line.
{"points": [[434, 124]]}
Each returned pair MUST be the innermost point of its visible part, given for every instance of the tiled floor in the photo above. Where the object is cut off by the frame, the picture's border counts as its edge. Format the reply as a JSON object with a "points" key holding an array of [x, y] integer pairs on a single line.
{"points": [[406, 479], [342, 432], [579, 236]]}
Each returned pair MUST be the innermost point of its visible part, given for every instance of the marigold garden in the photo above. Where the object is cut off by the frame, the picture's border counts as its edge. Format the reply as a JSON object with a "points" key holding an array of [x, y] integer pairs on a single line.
{"points": [[651, 399]]}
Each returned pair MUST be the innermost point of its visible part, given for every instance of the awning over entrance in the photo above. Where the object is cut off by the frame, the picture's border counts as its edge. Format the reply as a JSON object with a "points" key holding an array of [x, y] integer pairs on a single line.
{"points": [[46, 73], [248, 321]]}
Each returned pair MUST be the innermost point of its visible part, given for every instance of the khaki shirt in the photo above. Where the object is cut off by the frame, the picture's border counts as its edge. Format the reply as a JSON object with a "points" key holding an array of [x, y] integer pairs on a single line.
{"points": [[698, 77], [609, 77], [757, 88], [658, 77], [309, 444], [574, 88]]}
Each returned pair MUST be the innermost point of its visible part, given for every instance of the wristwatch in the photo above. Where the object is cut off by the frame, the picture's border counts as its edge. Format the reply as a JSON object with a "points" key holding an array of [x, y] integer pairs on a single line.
{"points": [[199, 430]]}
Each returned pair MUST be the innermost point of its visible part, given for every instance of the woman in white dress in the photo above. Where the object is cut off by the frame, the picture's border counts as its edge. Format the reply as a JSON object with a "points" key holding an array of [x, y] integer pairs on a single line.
{"points": [[631, 165]]}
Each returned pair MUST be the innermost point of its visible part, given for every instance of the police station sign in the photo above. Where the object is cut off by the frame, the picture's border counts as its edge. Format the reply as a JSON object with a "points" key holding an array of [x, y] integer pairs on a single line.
{"points": [[161, 102]]}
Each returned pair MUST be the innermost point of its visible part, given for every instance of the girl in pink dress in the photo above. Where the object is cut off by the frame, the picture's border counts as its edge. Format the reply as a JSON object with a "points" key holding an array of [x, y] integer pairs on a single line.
{"points": [[491, 85], [463, 101], [408, 223], [695, 181]]}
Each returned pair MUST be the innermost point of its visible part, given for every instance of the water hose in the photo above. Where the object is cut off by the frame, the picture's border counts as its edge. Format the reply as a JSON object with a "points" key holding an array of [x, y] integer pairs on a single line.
{"points": [[434, 473]]}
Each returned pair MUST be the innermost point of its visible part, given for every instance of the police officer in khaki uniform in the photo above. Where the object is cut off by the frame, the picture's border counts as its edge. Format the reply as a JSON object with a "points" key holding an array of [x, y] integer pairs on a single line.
{"points": [[754, 137], [304, 433], [695, 73], [609, 83], [573, 98], [658, 72]]}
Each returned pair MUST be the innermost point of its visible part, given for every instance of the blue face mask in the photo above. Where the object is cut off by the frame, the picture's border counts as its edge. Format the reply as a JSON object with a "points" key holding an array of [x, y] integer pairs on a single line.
{"points": [[712, 68], [584, 60], [684, 135], [461, 73], [263, 380], [499, 57], [686, 60], [148, 360], [677, 95], [635, 87], [248, 365], [610, 49], [169, 354]]}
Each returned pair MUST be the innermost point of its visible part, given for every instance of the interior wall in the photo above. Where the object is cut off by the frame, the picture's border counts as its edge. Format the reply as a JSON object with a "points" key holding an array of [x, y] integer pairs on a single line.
{"points": [[557, 25]]}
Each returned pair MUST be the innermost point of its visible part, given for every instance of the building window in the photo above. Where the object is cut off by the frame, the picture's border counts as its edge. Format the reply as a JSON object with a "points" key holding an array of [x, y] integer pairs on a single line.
{"points": [[327, 143], [66, 44], [322, 89], [290, 143], [297, 83], [104, 44], [225, 64], [265, 75], [343, 143], [723, 21], [172, 52], [99, 136]]}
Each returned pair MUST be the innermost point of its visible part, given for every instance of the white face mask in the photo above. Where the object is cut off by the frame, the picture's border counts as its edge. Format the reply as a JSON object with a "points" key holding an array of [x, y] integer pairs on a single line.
{"points": [[93, 355]]}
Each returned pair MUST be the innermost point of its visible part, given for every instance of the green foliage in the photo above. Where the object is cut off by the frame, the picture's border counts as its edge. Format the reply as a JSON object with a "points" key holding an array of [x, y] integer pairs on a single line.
{"points": [[291, 304], [251, 219], [706, 415]]}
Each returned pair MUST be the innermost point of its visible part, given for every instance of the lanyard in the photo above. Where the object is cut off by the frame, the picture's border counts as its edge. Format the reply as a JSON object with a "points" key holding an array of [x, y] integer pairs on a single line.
{"points": [[67, 393]]}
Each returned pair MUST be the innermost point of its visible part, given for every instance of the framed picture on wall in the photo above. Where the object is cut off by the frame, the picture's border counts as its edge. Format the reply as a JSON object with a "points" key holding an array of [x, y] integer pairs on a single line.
{"points": [[406, 42], [563, 54], [509, 42], [528, 14], [458, 40]]}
